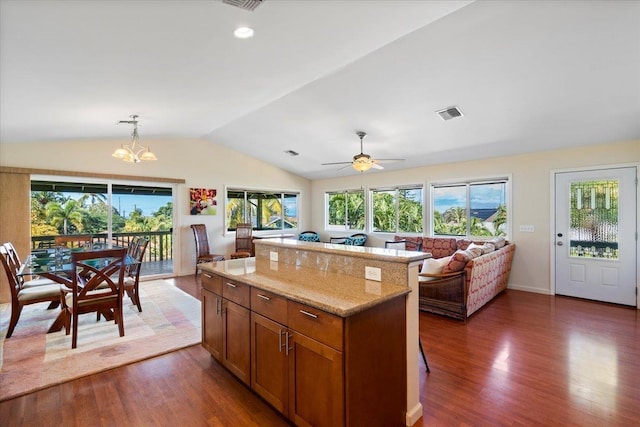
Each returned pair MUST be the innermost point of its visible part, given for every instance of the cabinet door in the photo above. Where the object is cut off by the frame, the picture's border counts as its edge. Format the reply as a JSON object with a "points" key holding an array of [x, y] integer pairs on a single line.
{"points": [[269, 367], [316, 396], [212, 323], [237, 340]]}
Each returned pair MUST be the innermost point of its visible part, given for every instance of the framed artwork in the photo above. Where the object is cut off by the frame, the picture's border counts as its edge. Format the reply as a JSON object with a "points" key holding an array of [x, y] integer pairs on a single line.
{"points": [[202, 201]]}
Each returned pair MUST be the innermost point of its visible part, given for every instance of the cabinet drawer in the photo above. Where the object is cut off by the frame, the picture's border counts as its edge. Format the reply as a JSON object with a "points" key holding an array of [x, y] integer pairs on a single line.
{"points": [[317, 324], [236, 292], [211, 282], [269, 305]]}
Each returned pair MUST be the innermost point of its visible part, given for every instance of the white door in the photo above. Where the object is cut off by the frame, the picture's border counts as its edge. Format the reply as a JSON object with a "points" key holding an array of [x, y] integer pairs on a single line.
{"points": [[595, 235]]}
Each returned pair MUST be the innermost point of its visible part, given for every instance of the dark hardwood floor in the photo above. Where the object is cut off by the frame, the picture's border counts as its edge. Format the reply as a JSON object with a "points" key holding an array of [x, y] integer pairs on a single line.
{"points": [[523, 360]]}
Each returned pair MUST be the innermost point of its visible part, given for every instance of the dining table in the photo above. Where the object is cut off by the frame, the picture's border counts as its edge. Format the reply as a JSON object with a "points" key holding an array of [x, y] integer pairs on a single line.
{"points": [[55, 264]]}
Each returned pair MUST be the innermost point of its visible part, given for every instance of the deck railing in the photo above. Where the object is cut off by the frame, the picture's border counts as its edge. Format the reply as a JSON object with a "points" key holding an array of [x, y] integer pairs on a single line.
{"points": [[160, 242]]}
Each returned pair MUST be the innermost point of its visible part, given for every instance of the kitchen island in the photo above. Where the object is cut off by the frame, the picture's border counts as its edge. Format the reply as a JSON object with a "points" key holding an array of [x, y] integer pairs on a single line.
{"points": [[301, 326]]}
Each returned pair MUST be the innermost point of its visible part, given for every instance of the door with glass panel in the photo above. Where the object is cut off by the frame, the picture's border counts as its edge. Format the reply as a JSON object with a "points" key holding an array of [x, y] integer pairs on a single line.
{"points": [[595, 235]]}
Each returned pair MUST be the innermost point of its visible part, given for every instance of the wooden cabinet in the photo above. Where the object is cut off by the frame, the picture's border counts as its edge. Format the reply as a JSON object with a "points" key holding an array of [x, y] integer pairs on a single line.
{"points": [[316, 368], [226, 329]]}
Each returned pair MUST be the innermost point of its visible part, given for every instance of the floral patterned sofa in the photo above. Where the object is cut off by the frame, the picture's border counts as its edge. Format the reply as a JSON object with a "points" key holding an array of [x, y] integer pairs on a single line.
{"points": [[463, 275]]}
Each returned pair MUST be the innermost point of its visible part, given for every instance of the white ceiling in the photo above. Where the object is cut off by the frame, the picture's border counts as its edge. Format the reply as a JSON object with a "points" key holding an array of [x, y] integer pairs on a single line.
{"points": [[528, 76]]}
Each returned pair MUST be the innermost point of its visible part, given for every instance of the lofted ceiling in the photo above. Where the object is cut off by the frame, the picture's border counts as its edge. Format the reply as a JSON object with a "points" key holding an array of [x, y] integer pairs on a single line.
{"points": [[527, 75]]}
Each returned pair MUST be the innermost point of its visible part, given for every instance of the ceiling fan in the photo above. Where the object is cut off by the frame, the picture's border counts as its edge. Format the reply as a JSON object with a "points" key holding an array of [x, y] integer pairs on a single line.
{"points": [[363, 162]]}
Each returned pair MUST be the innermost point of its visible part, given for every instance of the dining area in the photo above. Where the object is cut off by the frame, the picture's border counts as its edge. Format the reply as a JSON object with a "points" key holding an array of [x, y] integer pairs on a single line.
{"points": [[75, 277]]}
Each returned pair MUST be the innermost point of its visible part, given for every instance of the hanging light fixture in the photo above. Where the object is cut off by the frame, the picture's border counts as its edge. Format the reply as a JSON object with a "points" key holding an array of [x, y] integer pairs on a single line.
{"points": [[134, 152]]}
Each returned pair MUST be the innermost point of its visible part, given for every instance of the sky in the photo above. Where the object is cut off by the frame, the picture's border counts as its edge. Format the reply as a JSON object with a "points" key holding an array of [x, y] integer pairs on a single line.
{"points": [[488, 196]]}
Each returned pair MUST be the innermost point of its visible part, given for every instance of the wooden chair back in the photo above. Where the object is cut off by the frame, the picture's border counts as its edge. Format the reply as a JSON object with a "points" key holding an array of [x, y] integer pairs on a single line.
{"points": [[244, 238], [20, 296], [136, 252], [98, 284], [202, 241]]}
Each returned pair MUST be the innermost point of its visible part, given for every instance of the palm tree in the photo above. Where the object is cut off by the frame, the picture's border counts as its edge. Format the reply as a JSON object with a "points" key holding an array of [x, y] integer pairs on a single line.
{"points": [[64, 215]]}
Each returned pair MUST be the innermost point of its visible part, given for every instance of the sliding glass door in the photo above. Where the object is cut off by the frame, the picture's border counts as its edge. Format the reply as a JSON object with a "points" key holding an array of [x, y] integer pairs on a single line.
{"points": [[111, 212]]}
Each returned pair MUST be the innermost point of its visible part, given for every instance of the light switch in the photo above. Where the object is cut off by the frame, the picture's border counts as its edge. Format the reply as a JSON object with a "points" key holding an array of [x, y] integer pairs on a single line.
{"points": [[527, 228]]}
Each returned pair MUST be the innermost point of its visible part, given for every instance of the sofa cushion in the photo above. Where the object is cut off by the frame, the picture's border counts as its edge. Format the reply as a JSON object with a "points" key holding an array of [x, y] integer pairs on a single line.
{"points": [[463, 244], [439, 247]]}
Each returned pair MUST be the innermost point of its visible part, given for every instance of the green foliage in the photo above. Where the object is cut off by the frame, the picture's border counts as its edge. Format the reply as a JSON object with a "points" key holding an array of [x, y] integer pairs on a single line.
{"points": [[347, 209]]}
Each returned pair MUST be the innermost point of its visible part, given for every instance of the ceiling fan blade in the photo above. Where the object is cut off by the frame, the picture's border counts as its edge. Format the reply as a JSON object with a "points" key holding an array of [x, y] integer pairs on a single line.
{"points": [[375, 165], [389, 160], [336, 163]]}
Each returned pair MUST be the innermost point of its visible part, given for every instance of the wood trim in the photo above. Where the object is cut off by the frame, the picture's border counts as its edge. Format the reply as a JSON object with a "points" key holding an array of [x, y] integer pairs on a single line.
{"points": [[32, 171], [15, 221]]}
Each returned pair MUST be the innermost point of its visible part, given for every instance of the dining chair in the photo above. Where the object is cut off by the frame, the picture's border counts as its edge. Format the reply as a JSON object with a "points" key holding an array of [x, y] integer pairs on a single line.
{"points": [[21, 295], [357, 239], [403, 245], [244, 241], [136, 252], [203, 253], [74, 240], [309, 236], [96, 286], [16, 264]]}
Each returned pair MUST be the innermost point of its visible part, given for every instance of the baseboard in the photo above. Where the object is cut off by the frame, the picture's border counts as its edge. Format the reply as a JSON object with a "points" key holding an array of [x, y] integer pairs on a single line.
{"points": [[414, 414], [529, 289]]}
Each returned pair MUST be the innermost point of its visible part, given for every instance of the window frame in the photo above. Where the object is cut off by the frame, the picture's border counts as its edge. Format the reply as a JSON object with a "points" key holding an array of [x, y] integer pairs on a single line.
{"points": [[269, 192], [345, 227], [396, 189], [507, 179]]}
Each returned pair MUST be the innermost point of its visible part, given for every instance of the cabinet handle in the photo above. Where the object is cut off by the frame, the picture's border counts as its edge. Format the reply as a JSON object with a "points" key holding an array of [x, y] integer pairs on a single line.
{"points": [[218, 306], [208, 276], [287, 335], [306, 313], [231, 285], [264, 297], [279, 340]]}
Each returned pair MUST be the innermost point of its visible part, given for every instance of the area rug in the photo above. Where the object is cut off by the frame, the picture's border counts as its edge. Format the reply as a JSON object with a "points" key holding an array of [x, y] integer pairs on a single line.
{"points": [[32, 359]]}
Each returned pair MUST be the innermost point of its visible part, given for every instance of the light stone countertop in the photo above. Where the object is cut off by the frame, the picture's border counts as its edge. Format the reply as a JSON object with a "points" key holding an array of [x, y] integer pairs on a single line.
{"points": [[337, 294]]}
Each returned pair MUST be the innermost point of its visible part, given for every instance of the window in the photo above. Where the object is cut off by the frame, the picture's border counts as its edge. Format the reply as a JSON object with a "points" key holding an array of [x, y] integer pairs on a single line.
{"points": [[473, 209], [397, 210], [264, 210], [112, 212], [345, 210]]}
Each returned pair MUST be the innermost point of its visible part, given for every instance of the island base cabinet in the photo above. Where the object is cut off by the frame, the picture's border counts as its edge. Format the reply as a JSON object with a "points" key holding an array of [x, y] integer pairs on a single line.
{"points": [[269, 362], [212, 323], [237, 340], [316, 385]]}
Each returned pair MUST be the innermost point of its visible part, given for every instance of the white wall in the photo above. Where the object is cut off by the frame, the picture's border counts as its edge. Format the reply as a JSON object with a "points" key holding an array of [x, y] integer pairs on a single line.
{"points": [[531, 197], [200, 163], [204, 164]]}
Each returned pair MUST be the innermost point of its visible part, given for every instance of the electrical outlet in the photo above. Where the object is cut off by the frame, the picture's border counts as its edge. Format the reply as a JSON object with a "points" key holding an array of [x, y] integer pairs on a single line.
{"points": [[373, 273], [273, 256], [526, 228]]}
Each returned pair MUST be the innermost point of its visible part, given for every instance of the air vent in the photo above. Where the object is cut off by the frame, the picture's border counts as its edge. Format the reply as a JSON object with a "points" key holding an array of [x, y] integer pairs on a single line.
{"points": [[292, 153], [244, 4], [449, 113]]}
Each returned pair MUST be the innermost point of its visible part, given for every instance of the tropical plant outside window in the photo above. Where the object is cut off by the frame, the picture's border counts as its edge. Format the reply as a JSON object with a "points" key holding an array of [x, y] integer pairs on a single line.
{"points": [[473, 209], [345, 210], [397, 210], [264, 210], [594, 219]]}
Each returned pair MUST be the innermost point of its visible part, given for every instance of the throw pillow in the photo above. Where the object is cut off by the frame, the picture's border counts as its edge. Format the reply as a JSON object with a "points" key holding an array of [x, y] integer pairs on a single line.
{"points": [[460, 259], [485, 248], [498, 242], [433, 266]]}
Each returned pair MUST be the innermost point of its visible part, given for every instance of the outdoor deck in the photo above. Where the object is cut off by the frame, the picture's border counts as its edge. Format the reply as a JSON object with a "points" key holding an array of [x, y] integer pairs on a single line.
{"points": [[152, 268]]}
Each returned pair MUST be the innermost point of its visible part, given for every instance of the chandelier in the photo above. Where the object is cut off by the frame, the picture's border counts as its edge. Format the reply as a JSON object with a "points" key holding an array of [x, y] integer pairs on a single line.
{"points": [[134, 152]]}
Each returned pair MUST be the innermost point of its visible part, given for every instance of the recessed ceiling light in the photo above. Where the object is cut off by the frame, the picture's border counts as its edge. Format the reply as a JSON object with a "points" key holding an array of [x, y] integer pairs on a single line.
{"points": [[243, 32]]}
